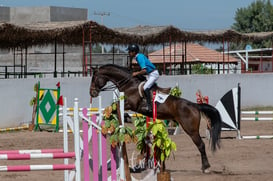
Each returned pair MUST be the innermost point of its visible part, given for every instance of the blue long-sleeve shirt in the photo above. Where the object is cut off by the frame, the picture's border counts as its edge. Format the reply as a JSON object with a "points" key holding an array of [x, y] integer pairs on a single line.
{"points": [[145, 63]]}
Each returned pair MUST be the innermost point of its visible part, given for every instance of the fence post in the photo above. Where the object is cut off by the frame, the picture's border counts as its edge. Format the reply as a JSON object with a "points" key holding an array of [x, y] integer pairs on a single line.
{"points": [[6, 72], [77, 139], [65, 137]]}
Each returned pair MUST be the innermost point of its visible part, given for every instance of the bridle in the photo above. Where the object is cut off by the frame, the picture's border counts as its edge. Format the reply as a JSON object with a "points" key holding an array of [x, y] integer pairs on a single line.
{"points": [[113, 86]]}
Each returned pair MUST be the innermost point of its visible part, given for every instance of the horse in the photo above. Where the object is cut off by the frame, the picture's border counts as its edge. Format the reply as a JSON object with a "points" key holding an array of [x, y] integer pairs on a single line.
{"points": [[183, 111]]}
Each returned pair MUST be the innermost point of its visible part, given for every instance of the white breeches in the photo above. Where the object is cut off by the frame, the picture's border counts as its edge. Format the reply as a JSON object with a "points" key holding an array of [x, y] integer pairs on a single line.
{"points": [[152, 78]]}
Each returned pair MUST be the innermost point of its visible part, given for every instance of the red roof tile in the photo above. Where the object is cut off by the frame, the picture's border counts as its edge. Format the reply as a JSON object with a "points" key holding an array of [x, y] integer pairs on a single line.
{"points": [[194, 52]]}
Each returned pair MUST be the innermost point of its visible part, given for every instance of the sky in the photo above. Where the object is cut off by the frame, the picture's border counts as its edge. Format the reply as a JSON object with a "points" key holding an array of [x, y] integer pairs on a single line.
{"points": [[189, 15]]}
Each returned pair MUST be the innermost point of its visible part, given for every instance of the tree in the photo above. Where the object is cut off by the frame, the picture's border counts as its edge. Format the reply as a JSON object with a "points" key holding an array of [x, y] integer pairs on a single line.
{"points": [[200, 69], [97, 48], [257, 17]]}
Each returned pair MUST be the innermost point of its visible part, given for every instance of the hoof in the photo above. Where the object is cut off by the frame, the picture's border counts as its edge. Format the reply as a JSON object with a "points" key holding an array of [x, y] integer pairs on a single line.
{"points": [[206, 171]]}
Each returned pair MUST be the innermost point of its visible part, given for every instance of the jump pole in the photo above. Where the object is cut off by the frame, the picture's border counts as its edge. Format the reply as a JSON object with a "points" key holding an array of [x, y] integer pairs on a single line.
{"points": [[77, 139], [154, 120], [65, 138], [256, 119], [31, 151], [257, 112], [25, 127], [116, 95], [12, 156], [257, 115], [258, 137], [75, 128], [85, 146], [21, 168]]}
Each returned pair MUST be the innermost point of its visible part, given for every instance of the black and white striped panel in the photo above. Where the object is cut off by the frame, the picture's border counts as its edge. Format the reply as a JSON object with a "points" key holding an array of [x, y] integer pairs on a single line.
{"points": [[228, 108]]}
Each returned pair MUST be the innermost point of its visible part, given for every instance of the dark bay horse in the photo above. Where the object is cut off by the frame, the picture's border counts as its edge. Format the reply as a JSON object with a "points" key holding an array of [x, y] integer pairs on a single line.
{"points": [[187, 113]]}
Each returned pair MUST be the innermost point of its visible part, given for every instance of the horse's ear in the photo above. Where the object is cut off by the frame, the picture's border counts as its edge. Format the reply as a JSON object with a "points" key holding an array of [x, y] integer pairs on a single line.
{"points": [[94, 69]]}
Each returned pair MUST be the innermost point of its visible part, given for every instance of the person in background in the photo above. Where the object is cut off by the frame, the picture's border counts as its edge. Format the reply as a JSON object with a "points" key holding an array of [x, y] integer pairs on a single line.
{"points": [[146, 68]]}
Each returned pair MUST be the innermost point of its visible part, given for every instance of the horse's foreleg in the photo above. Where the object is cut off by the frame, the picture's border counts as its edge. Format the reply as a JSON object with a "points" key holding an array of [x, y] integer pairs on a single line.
{"points": [[201, 147]]}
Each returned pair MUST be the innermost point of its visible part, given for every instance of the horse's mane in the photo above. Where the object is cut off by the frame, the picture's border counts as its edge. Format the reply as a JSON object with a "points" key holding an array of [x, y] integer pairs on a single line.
{"points": [[123, 69]]}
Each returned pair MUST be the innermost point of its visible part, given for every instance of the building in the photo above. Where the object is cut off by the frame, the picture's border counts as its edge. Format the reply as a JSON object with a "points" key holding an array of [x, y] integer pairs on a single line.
{"points": [[40, 59], [27, 15], [180, 57], [254, 60]]}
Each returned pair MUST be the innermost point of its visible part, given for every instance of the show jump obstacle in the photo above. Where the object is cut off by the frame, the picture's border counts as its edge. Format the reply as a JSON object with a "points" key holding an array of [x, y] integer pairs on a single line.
{"points": [[47, 107], [91, 131], [71, 170], [91, 127], [229, 107], [91, 120]]}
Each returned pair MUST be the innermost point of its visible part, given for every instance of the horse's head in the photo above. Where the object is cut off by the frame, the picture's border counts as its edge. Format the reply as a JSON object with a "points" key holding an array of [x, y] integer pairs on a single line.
{"points": [[120, 77], [97, 83]]}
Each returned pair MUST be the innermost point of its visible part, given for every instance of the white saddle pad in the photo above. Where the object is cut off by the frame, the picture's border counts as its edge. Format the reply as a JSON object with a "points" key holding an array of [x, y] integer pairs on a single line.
{"points": [[160, 97]]}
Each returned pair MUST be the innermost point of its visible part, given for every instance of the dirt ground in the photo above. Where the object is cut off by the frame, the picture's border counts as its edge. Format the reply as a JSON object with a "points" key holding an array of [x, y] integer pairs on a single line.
{"points": [[246, 160]]}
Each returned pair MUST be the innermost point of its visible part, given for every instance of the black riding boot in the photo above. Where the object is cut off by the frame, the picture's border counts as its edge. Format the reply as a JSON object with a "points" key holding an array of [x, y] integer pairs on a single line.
{"points": [[148, 99]]}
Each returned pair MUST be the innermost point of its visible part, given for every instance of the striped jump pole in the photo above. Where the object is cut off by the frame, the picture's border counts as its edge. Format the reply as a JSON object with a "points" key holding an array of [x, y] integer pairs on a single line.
{"points": [[25, 127], [31, 151], [258, 137], [257, 112], [70, 111], [92, 109], [21, 168], [12, 156], [256, 119], [258, 115]]}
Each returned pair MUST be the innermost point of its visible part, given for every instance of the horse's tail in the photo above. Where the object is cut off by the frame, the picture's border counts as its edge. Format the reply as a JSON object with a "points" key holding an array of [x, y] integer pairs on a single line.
{"points": [[216, 122]]}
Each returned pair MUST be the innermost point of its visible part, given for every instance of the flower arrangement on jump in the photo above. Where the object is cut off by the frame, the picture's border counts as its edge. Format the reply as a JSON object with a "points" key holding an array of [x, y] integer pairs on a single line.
{"points": [[118, 134]]}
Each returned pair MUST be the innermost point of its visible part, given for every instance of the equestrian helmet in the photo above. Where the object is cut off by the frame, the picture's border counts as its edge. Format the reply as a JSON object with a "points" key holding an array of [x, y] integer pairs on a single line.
{"points": [[133, 48]]}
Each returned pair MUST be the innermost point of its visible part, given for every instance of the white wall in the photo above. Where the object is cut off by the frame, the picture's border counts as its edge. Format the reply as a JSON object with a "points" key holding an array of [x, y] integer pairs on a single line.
{"points": [[15, 94]]}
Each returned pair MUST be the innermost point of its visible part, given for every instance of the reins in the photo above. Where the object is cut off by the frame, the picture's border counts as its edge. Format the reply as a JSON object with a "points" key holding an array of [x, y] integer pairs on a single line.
{"points": [[115, 85]]}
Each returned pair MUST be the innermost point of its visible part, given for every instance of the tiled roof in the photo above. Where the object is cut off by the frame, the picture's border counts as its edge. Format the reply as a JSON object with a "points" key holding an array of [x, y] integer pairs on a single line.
{"points": [[194, 53]]}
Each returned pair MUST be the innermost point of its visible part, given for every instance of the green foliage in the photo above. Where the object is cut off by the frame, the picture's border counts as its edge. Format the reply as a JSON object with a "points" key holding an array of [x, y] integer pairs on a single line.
{"points": [[97, 48], [257, 17], [140, 133], [162, 144], [33, 99], [200, 69], [175, 91], [118, 134]]}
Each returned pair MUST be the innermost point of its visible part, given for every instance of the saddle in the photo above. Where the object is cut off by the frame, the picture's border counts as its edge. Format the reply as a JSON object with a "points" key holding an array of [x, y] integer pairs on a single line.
{"points": [[164, 90], [155, 87]]}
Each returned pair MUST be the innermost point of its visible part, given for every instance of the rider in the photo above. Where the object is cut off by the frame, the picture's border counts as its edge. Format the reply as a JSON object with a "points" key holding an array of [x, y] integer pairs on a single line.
{"points": [[147, 68]]}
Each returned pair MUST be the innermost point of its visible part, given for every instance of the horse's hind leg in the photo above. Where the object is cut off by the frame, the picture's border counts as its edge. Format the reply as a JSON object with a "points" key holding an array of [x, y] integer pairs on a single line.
{"points": [[201, 147]]}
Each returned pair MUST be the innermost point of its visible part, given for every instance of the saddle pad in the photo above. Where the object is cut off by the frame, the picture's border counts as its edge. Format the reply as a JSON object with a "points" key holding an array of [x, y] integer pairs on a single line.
{"points": [[161, 98]]}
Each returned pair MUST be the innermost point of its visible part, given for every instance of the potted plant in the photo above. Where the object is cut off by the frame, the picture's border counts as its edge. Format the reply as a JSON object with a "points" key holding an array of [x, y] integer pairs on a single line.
{"points": [[176, 91], [143, 144], [162, 146], [140, 133]]}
